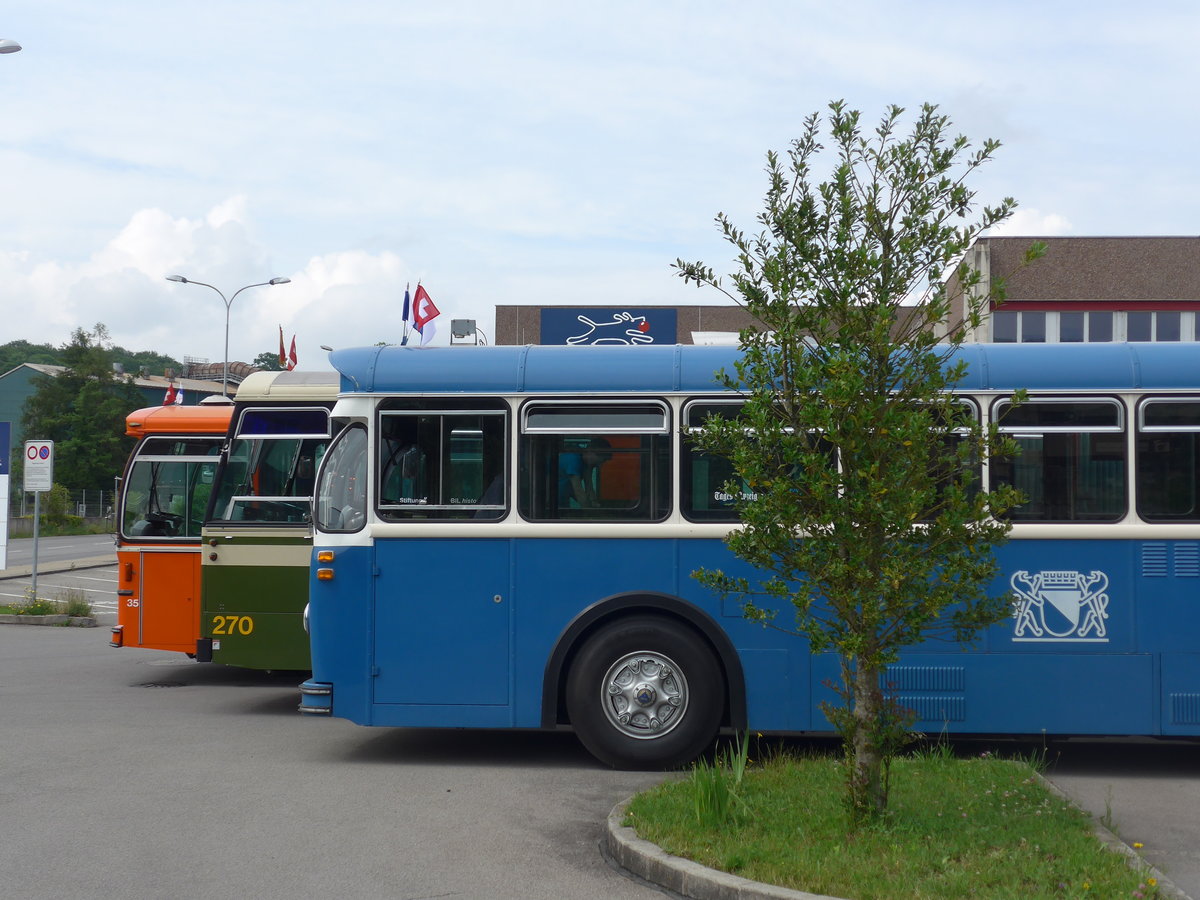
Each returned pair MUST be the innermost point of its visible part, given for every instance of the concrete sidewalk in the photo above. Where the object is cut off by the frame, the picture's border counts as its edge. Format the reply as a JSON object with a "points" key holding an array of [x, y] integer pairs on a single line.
{"points": [[50, 568]]}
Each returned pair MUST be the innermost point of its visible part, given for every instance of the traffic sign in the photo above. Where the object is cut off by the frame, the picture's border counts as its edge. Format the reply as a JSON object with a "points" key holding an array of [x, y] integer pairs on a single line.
{"points": [[39, 465]]}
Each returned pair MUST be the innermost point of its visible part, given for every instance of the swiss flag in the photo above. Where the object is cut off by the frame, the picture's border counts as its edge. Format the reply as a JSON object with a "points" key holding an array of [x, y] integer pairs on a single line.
{"points": [[424, 312]]}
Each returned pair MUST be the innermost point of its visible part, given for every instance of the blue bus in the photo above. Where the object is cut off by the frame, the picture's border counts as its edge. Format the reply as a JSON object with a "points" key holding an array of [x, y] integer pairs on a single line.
{"points": [[505, 536]]}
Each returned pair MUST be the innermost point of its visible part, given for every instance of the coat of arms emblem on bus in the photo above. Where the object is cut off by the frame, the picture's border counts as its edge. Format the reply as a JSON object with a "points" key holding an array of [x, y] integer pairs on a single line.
{"points": [[1060, 606], [625, 328]]}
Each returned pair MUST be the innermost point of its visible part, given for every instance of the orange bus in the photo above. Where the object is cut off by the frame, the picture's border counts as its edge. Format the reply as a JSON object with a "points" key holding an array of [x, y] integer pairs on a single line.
{"points": [[164, 494]]}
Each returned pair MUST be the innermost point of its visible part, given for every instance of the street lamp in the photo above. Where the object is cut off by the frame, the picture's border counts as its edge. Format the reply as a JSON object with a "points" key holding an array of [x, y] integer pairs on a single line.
{"points": [[7, 46], [228, 303]]}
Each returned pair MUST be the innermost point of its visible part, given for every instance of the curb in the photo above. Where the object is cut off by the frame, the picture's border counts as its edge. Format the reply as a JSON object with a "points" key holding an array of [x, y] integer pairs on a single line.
{"points": [[92, 562], [684, 877], [75, 621], [692, 880], [1165, 886]]}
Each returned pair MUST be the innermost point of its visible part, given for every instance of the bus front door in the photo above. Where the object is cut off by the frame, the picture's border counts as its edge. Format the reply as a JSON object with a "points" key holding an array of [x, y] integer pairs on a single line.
{"points": [[158, 603], [442, 623]]}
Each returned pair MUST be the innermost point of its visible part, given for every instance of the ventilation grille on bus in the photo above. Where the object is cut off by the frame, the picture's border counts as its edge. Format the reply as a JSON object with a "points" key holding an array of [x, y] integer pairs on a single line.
{"points": [[913, 686], [1181, 559], [1185, 709]]}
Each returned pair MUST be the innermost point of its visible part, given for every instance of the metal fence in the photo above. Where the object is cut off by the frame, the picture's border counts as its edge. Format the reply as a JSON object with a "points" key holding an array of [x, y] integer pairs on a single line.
{"points": [[87, 504]]}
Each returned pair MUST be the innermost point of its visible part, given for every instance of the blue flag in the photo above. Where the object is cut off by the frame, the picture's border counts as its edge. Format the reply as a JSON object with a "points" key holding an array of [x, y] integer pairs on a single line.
{"points": [[404, 316]]}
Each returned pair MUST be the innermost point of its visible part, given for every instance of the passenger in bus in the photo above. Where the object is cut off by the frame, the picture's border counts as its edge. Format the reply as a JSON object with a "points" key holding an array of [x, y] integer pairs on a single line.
{"points": [[579, 474]]}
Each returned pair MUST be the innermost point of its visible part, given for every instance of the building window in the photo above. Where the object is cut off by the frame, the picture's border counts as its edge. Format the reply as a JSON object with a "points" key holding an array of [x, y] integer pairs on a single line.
{"points": [[1094, 326], [1139, 326], [1100, 327], [1033, 327], [1005, 327], [1167, 326], [1071, 327]]}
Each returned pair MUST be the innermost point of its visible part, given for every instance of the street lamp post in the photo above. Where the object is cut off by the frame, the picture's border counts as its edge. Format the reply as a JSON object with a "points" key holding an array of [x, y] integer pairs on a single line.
{"points": [[228, 303]]}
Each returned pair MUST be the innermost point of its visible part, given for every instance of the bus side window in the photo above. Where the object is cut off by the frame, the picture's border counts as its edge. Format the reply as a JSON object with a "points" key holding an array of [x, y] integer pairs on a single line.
{"points": [[1168, 460], [601, 461], [442, 464], [1072, 462]]}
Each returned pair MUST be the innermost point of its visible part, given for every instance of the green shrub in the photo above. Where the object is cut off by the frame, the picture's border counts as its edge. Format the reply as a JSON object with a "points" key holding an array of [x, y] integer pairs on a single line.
{"points": [[35, 606], [74, 602]]}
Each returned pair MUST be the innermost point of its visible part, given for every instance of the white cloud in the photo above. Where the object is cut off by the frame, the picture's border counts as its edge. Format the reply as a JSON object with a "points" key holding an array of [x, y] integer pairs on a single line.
{"points": [[1033, 222], [525, 153]]}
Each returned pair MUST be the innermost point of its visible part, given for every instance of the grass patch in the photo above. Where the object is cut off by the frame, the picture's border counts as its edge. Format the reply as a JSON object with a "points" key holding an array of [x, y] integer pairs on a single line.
{"points": [[70, 602], [982, 827]]}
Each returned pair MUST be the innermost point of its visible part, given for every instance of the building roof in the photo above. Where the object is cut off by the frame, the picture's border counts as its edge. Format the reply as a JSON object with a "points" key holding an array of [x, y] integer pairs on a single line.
{"points": [[1098, 268], [158, 382]]}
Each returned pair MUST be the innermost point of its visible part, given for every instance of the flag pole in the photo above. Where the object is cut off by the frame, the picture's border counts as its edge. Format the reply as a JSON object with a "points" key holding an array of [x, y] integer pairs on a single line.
{"points": [[404, 333]]}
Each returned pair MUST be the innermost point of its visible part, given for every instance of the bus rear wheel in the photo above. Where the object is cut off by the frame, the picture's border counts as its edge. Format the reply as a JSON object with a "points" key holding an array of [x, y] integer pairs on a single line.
{"points": [[645, 693]]}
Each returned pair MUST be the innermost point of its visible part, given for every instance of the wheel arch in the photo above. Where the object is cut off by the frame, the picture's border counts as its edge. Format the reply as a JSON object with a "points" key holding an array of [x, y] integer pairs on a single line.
{"points": [[618, 606]]}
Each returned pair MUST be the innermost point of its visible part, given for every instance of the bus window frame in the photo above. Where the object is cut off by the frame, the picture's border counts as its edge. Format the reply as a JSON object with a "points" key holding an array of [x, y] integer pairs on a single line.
{"points": [[1019, 431], [238, 434], [528, 434], [1145, 402], [343, 435], [188, 459], [419, 512], [234, 502]]}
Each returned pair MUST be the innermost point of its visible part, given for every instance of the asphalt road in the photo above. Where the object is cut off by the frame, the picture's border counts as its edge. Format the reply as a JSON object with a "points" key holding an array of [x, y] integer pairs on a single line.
{"points": [[52, 550], [142, 774]]}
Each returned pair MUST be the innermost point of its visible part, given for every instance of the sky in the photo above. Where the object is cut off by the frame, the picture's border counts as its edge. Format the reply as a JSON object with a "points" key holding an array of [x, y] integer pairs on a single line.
{"points": [[546, 153]]}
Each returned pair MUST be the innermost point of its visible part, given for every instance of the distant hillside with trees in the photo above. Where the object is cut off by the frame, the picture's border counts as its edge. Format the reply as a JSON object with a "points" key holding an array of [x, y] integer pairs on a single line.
{"points": [[15, 353]]}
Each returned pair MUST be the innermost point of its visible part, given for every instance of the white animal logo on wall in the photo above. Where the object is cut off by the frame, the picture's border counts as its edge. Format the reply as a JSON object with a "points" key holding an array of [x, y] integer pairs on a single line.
{"points": [[1060, 606], [625, 328]]}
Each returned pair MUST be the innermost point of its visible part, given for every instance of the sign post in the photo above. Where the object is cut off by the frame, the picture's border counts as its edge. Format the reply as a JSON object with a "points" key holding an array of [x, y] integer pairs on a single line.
{"points": [[5, 440], [39, 476]]}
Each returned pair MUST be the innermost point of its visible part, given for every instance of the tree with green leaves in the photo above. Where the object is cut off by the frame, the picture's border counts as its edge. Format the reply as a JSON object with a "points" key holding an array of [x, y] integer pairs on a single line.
{"points": [[857, 468], [83, 411], [268, 361]]}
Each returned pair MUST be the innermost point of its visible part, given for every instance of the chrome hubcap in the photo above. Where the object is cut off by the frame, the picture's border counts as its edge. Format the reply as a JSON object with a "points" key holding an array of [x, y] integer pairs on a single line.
{"points": [[644, 695]]}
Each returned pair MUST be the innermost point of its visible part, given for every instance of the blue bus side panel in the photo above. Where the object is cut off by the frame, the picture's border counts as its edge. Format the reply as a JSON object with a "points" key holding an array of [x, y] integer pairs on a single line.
{"points": [[1181, 693], [1105, 636], [775, 660], [556, 580], [442, 623], [340, 630], [998, 693], [1169, 595]]}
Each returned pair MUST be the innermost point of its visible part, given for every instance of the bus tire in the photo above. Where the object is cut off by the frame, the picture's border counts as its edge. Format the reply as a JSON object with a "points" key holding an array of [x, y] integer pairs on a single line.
{"points": [[645, 693]]}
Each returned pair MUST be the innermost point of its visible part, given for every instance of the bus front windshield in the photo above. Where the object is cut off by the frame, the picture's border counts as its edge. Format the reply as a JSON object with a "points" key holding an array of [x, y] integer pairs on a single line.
{"points": [[269, 473], [167, 488], [342, 486]]}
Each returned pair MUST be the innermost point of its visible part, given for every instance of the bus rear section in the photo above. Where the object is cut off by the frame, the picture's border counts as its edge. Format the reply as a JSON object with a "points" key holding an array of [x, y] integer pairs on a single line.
{"points": [[258, 537], [164, 492]]}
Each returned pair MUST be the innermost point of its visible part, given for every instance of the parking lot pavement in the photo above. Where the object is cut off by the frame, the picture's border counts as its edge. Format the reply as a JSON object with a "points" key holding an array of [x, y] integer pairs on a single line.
{"points": [[142, 774], [97, 584]]}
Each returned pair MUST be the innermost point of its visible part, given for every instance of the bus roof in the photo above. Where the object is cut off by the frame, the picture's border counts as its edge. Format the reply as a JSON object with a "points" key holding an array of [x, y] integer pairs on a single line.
{"points": [[691, 368], [294, 385], [173, 419]]}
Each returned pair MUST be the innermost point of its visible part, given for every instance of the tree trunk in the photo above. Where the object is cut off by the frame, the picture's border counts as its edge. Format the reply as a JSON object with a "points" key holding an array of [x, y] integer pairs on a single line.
{"points": [[868, 792]]}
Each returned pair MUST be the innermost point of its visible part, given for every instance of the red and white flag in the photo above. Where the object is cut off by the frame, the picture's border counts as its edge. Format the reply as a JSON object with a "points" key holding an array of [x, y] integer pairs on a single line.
{"points": [[282, 355], [291, 362], [170, 395], [424, 312]]}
